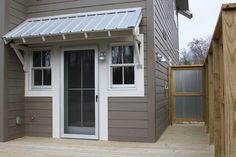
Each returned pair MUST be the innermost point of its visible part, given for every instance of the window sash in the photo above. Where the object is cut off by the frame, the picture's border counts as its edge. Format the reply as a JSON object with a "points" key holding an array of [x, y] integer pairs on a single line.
{"points": [[41, 59], [42, 78], [123, 75], [122, 65], [42, 68], [122, 54]]}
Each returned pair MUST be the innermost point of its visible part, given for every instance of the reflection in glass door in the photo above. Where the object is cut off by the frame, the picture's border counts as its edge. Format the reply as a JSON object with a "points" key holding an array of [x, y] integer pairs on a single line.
{"points": [[79, 92]]}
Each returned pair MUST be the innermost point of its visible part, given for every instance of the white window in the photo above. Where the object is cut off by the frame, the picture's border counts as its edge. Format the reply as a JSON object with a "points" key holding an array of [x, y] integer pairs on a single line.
{"points": [[41, 68], [122, 66]]}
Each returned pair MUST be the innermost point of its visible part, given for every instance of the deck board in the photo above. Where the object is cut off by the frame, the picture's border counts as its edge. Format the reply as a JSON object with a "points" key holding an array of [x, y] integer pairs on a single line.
{"points": [[177, 141]]}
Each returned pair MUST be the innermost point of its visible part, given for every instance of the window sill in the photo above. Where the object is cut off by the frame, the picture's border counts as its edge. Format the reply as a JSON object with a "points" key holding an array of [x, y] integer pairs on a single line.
{"points": [[41, 88], [123, 87], [39, 93]]}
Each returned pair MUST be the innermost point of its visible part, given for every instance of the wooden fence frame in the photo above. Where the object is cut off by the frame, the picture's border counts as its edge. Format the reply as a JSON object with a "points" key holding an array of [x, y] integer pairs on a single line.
{"points": [[172, 94], [220, 67]]}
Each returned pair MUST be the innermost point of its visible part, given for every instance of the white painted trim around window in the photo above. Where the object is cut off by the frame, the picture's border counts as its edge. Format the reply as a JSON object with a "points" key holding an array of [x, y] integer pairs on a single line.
{"points": [[122, 86]]}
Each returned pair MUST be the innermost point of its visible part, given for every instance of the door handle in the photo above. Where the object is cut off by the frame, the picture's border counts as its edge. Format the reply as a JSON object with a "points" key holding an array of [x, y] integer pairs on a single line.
{"points": [[96, 98]]}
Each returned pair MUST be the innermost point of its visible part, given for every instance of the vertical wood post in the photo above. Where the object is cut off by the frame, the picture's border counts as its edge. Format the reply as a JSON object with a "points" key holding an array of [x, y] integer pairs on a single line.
{"points": [[211, 97], [206, 111], [170, 96], [216, 84], [221, 98], [229, 56]]}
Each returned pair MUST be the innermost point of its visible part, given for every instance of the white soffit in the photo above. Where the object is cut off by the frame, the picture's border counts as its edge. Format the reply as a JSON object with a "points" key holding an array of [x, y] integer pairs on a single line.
{"points": [[110, 20]]}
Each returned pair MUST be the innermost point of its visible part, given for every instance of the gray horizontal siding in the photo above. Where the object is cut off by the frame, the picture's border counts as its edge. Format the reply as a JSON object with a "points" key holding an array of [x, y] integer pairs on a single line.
{"points": [[163, 21], [45, 8], [128, 119], [41, 110], [17, 12], [15, 95], [2, 71], [15, 75]]}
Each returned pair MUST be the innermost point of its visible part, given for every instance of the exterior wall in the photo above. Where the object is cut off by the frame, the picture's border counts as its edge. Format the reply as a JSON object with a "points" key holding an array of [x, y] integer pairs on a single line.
{"points": [[14, 95], [164, 23], [53, 7], [2, 71], [12, 84], [117, 126], [15, 76], [17, 11], [38, 116], [129, 118]]}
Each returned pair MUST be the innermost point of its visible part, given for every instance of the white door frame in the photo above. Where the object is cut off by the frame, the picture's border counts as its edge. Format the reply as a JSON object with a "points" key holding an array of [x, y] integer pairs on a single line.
{"points": [[62, 134]]}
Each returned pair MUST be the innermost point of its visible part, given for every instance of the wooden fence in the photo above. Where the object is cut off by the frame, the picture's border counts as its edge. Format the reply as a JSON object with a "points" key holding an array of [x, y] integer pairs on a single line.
{"points": [[220, 83], [186, 94]]}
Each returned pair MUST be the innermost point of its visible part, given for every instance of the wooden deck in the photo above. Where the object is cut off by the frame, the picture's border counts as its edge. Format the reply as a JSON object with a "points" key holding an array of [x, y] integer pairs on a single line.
{"points": [[177, 141]]}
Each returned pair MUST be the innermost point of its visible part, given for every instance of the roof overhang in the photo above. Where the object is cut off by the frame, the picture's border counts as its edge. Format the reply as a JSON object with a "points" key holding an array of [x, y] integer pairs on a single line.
{"points": [[90, 25], [183, 8]]}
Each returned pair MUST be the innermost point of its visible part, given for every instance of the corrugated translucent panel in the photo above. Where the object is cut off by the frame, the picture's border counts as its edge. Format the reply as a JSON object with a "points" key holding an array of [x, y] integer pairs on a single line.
{"points": [[77, 23], [188, 80], [189, 107]]}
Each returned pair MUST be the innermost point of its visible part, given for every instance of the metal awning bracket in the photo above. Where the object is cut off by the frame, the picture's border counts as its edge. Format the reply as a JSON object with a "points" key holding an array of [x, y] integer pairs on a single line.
{"points": [[23, 40], [85, 35], [43, 39], [109, 33], [63, 36], [19, 54], [5, 41], [139, 49]]}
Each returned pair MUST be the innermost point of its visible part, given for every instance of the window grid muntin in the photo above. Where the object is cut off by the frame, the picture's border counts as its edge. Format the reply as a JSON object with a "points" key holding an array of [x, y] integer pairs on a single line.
{"points": [[122, 65], [42, 68]]}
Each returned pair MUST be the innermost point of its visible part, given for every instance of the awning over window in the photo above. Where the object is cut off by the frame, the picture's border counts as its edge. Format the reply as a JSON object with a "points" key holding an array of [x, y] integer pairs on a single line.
{"points": [[81, 23], [183, 8]]}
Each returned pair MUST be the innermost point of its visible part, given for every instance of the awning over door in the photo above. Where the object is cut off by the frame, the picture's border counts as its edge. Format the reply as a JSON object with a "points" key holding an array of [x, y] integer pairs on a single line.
{"points": [[81, 24]]}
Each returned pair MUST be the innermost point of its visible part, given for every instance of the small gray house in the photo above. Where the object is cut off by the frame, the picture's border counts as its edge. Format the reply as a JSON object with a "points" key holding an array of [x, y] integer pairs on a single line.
{"points": [[87, 69]]}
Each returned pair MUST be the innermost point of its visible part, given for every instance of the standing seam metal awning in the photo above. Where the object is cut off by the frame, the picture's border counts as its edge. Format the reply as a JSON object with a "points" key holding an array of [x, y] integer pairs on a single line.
{"points": [[121, 19]]}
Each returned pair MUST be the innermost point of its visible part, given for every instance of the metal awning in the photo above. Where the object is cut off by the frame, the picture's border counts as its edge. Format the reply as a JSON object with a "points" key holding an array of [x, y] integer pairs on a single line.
{"points": [[183, 8], [80, 23]]}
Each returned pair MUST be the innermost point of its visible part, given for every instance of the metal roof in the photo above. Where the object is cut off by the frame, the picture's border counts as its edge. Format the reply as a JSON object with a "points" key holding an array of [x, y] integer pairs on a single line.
{"points": [[109, 20]]}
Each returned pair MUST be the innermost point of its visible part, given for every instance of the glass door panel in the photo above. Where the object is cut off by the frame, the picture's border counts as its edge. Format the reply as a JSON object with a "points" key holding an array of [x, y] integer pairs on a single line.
{"points": [[79, 92]]}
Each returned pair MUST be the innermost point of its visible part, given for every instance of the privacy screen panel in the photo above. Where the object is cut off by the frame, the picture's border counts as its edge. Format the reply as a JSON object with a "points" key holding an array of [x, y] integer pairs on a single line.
{"points": [[188, 107], [187, 80]]}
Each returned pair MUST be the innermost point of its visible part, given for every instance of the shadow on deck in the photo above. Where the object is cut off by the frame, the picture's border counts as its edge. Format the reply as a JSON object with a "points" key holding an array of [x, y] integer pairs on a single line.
{"points": [[177, 141]]}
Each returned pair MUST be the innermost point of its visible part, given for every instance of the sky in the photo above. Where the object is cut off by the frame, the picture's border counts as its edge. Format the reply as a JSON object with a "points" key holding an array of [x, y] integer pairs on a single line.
{"points": [[205, 15]]}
